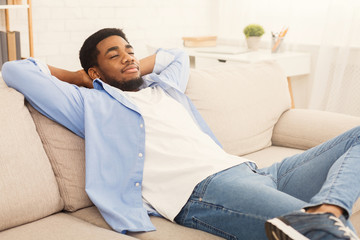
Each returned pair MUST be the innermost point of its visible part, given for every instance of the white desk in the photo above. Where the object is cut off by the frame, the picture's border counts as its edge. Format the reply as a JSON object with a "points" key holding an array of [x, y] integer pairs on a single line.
{"points": [[293, 63]]}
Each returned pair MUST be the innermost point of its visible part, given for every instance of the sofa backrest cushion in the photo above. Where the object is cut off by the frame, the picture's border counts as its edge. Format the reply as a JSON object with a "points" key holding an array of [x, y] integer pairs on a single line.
{"points": [[66, 152], [240, 102], [28, 188]]}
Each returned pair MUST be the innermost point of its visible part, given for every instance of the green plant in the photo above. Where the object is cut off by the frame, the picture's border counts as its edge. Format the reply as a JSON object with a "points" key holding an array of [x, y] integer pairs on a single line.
{"points": [[253, 30]]}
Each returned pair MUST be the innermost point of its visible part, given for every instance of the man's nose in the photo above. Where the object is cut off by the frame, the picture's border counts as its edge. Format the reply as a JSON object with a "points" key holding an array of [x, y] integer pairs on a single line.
{"points": [[127, 58]]}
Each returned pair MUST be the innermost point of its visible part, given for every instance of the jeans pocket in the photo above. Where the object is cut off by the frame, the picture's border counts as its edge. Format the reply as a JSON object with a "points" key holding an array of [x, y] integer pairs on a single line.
{"points": [[201, 225], [200, 188]]}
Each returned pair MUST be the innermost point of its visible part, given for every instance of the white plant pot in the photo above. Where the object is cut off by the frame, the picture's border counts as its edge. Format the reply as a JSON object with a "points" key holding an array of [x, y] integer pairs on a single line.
{"points": [[253, 43]]}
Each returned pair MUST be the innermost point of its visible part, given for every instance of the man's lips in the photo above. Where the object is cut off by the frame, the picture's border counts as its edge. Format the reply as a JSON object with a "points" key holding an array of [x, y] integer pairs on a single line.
{"points": [[132, 68]]}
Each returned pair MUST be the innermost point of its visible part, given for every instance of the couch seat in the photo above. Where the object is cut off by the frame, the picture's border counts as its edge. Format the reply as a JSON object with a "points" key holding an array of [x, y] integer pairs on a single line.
{"points": [[60, 226], [165, 229]]}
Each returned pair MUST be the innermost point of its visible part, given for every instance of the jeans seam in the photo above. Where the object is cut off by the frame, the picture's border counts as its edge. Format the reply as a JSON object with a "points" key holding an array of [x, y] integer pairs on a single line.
{"points": [[304, 162], [215, 229], [330, 191], [337, 176], [184, 212], [220, 207]]}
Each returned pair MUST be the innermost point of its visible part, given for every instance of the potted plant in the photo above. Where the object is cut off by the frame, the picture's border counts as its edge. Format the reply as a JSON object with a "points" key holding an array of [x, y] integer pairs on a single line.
{"points": [[253, 33]]}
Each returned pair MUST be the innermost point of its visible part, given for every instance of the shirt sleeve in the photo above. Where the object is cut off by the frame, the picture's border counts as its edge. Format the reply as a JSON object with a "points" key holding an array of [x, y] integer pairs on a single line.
{"points": [[172, 67], [58, 100]]}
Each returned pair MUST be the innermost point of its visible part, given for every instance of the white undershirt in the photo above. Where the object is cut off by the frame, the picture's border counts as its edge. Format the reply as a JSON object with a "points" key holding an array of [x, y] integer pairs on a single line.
{"points": [[178, 155]]}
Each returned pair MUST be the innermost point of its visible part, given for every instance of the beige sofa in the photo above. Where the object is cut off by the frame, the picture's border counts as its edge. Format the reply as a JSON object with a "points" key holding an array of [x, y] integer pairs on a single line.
{"points": [[42, 174]]}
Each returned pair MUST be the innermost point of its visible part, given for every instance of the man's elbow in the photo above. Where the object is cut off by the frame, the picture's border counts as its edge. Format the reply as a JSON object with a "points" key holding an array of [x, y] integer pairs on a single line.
{"points": [[15, 71], [8, 72]]}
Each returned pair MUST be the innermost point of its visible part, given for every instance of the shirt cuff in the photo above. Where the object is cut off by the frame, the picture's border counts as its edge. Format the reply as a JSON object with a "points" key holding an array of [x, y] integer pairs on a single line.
{"points": [[163, 59]]}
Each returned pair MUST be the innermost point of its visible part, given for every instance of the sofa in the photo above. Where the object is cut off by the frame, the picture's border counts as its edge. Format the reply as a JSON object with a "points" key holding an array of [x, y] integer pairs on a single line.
{"points": [[42, 164]]}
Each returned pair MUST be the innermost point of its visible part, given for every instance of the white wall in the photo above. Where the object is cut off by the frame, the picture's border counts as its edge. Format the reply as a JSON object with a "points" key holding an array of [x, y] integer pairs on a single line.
{"points": [[61, 26]]}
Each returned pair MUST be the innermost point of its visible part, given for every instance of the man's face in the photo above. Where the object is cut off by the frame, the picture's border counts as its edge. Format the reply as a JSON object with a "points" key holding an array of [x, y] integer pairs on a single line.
{"points": [[117, 64]]}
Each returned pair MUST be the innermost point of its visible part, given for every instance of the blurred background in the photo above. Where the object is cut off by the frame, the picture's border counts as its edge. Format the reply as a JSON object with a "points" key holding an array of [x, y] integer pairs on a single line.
{"points": [[329, 30]]}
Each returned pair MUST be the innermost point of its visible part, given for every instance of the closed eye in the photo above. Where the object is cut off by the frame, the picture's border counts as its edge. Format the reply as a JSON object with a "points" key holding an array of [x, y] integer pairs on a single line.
{"points": [[114, 56]]}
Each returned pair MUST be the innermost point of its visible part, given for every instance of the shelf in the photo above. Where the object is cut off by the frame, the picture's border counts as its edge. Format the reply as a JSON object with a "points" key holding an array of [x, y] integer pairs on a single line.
{"points": [[28, 7], [24, 6]]}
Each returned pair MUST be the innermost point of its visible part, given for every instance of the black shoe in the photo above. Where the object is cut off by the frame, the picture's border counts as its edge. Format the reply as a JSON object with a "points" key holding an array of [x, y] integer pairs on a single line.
{"points": [[303, 226]]}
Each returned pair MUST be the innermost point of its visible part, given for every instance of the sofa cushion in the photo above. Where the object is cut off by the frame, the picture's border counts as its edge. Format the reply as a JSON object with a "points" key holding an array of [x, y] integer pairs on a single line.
{"points": [[66, 152], [306, 128], [28, 189], [240, 102], [267, 156], [60, 226], [164, 229]]}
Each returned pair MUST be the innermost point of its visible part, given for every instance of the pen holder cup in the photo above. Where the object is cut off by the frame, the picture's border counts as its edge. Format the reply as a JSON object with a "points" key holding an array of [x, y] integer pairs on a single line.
{"points": [[277, 45]]}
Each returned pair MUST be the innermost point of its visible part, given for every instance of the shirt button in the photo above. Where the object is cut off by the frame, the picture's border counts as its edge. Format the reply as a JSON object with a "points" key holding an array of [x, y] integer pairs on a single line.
{"points": [[141, 125], [137, 184], [140, 154]]}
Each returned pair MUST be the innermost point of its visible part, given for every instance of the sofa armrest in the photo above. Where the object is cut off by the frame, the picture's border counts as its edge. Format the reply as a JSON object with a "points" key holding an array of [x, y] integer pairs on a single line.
{"points": [[304, 128]]}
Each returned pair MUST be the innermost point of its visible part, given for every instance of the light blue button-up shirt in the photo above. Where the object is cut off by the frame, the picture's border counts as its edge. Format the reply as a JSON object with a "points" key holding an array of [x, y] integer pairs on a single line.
{"points": [[112, 126]]}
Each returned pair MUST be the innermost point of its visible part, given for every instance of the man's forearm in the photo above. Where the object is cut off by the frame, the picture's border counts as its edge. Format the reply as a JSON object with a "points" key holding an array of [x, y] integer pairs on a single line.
{"points": [[79, 78], [147, 64]]}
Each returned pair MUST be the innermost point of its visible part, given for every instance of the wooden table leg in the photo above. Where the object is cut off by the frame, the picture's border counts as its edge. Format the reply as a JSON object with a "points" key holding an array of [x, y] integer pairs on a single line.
{"points": [[31, 39], [192, 61], [291, 93]]}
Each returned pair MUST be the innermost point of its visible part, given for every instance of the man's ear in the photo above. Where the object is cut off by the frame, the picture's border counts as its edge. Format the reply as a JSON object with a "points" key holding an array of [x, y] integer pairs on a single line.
{"points": [[93, 73]]}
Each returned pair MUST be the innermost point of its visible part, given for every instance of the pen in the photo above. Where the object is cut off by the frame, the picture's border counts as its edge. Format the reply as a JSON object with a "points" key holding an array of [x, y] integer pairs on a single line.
{"points": [[278, 41]]}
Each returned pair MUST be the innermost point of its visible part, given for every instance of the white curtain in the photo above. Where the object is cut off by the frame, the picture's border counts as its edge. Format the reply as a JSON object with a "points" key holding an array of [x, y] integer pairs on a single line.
{"points": [[331, 27], [337, 75]]}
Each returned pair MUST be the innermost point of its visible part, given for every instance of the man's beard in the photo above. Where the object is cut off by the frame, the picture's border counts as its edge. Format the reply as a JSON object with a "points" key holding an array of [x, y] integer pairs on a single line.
{"points": [[129, 85]]}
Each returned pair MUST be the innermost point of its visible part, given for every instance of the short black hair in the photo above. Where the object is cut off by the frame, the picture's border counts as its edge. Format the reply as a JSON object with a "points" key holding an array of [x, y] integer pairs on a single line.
{"points": [[88, 52]]}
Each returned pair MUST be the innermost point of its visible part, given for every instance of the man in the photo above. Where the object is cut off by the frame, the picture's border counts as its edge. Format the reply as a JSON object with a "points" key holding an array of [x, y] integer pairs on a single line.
{"points": [[148, 151]]}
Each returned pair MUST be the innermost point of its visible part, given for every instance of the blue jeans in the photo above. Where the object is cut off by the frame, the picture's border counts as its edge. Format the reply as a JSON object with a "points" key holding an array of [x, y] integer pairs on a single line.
{"points": [[235, 203]]}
